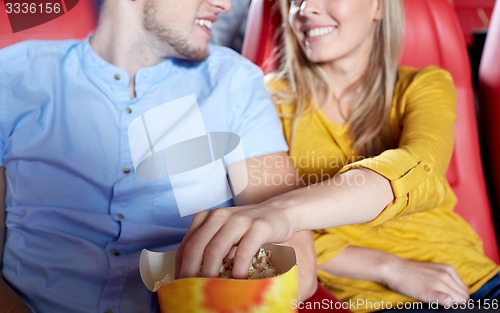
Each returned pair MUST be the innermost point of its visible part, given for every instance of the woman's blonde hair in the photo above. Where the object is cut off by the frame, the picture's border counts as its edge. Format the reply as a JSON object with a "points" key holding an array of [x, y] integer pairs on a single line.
{"points": [[368, 116]]}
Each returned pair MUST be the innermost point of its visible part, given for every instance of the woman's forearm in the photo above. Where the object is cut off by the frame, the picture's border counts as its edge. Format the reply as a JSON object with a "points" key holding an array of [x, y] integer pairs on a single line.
{"points": [[356, 196], [359, 197], [422, 281], [360, 263]]}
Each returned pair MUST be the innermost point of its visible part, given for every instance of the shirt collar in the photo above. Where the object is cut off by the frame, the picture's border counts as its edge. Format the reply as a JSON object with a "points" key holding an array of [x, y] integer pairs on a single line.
{"points": [[107, 75]]}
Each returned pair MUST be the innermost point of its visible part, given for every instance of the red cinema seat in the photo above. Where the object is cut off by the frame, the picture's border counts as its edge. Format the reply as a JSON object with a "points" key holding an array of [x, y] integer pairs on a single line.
{"points": [[489, 94], [432, 24], [323, 301], [262, 34], [473, 15], [78, 20], [433, 37]]}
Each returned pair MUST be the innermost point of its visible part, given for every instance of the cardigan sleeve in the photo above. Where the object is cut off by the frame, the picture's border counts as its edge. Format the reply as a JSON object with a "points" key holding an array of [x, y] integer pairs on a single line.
{"points": [[416, 169]]}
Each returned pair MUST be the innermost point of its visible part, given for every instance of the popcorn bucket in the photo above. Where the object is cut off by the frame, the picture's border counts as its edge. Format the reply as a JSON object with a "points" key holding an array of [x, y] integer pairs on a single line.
{"points": [[219, 295]]}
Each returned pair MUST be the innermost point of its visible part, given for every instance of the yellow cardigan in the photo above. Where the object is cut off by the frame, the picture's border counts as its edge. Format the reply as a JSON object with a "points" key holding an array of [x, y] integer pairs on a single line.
{"points": [[420, 223]]}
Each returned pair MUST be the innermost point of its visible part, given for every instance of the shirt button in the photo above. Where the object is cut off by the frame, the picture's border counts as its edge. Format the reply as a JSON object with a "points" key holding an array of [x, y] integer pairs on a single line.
{"points": [[115, 252], [118, 76], [128, 110], [120, 216], [427, 168], [126, 170], [108, 311]]}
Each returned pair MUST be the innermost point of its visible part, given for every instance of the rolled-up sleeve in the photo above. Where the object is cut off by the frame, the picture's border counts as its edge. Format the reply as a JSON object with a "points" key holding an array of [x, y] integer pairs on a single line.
{"points": [[416, 169]]}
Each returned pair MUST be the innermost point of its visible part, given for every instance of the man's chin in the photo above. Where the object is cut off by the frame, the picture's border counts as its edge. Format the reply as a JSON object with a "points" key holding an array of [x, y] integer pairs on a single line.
{"points": [[200, 57], [193, 54]]}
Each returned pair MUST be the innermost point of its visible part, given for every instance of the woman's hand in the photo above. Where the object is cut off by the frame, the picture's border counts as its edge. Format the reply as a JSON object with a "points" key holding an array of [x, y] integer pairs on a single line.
{"points": [[213, 234], [425, 281]]}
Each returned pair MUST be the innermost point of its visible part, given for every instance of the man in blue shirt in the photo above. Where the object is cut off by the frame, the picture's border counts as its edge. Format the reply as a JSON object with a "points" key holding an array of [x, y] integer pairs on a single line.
{"points": [[86, 129]]}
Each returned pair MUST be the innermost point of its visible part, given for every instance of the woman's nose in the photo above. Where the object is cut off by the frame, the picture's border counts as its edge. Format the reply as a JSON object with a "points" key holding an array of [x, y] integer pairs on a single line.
{"points": [[310, 7]]}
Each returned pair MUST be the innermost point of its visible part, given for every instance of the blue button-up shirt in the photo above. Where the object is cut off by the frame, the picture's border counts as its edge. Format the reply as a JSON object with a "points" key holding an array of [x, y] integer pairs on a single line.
{"points": [[77, 213]]}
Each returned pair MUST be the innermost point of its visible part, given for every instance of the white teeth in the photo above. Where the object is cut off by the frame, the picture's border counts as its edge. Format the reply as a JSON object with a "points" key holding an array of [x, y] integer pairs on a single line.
{"points": [[202, 22], [315, 32]]}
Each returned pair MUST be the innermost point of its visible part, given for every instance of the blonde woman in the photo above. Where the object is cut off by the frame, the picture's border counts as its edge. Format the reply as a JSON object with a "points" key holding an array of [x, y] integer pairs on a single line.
{"points": [[373, 142]]}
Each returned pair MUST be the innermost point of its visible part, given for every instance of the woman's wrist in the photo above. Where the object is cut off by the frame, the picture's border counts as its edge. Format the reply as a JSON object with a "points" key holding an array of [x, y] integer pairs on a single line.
{"points": [[387, 268], [289, 209]]}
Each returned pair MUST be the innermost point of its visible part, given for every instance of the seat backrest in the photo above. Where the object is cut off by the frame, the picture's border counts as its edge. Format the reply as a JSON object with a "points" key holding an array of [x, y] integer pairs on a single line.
{"points": [[75, 21], [431, 24], [489, 95], [262, 36], [473, 15]]}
